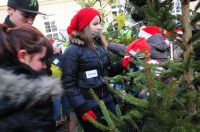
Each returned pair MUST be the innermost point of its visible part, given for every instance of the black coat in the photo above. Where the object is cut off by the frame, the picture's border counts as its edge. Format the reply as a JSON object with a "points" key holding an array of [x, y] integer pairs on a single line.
{"points": [[8, 22], [25, 100], [77, 63]]}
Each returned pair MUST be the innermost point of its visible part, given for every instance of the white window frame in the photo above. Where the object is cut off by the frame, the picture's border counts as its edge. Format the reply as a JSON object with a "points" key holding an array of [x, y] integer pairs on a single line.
{"points": [[51, 28]]}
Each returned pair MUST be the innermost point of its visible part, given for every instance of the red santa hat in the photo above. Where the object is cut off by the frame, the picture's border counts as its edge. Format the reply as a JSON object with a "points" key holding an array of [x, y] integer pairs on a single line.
{"points": [[54, 42], [138, 45], [178, 31], [147, 32], [82, 19]]}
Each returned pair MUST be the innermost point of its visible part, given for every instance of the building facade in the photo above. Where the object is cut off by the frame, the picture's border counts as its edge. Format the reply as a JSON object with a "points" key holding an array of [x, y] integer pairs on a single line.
{"points": [[60, 12]]}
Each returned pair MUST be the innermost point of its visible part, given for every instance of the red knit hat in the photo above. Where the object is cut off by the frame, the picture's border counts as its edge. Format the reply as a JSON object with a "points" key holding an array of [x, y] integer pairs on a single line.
{"points": [[82, 19], [138, 44]]}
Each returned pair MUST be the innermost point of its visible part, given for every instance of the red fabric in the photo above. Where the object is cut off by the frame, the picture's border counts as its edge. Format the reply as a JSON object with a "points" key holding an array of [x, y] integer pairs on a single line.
{"points": [[138, 44], [89, 113], [178, 31], [82, 19], [126, 61], [51, 40]]}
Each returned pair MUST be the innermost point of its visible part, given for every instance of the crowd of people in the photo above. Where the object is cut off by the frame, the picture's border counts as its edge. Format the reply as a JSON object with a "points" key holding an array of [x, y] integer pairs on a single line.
{"points": [[27, 88], [27, 56], [38, 81]]}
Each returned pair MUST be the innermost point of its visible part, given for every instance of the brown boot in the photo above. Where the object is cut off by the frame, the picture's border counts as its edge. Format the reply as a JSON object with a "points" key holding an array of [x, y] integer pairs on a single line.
{"points": [[65, 124]]}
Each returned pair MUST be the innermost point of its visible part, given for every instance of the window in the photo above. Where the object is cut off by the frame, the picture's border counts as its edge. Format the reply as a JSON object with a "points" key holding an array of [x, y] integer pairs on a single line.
{"points": [[115, 9], [51, 27], [176, 7], [114, 12]]}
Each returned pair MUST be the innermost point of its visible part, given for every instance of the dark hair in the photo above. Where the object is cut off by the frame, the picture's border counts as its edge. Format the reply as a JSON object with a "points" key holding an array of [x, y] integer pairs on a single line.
{"points": [[24, 37]]}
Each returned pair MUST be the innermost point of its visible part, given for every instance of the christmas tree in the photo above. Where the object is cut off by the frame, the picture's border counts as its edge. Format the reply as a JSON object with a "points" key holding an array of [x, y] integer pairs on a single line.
{"points": [[169, 99]]}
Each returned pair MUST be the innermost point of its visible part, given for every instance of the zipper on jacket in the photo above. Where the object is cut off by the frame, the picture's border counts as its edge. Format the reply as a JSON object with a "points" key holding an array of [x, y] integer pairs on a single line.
{"points": [[102, 70], [100, 59]]}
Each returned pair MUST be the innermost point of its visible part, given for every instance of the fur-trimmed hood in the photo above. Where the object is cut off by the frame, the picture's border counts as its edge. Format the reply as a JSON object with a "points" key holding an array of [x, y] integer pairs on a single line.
{"points": [[78, 41], [17, 89]]}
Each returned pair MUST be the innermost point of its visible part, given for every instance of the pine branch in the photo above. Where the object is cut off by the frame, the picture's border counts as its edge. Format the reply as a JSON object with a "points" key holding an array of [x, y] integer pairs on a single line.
{"points": [[119, 113], [197, 6], [99, 125], [116, 119], [133, 113], [149, 81], [129, 98], [168, 98], [104, 111]]}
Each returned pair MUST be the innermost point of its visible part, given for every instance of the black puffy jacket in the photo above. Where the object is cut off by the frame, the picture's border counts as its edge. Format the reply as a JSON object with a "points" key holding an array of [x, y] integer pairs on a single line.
{"points": [[84, 68], [25, 100]]}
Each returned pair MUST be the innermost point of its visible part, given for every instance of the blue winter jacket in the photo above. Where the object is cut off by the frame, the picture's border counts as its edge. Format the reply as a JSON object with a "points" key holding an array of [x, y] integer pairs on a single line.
{"points": [[84, 68]]}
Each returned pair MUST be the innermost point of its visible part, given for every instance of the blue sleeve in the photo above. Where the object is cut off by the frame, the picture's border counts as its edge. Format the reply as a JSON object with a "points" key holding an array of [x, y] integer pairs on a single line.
{"points": [[70, 66]]}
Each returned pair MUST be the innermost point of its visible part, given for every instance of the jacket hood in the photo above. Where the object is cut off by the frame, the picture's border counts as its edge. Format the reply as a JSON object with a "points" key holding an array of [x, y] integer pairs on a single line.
{"points": [[157, 42], [18, 89]]}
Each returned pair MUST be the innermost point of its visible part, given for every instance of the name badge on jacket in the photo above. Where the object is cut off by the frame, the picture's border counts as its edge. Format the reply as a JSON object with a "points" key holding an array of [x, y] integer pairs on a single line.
{"points": [[91, 73], [55, 61]]}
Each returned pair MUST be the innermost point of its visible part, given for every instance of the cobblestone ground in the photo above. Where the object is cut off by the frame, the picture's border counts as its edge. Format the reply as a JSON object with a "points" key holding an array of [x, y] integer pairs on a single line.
{"points": [[73, 124]]}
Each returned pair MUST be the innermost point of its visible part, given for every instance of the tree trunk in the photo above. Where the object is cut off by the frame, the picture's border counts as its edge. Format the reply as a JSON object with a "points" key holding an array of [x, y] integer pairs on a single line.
{"points": [[188, 49], [188, 53]]}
